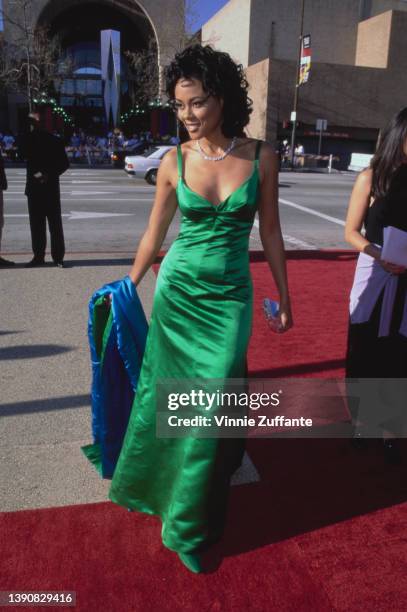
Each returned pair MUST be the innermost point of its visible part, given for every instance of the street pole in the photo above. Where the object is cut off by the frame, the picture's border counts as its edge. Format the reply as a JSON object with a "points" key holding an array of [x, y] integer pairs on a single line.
{"points": [[297, 78], [320, 141]]}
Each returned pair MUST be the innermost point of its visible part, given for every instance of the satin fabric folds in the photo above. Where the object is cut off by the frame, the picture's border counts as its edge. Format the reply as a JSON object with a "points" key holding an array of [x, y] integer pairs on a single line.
{"points": [[200, 328], [117, 331]]}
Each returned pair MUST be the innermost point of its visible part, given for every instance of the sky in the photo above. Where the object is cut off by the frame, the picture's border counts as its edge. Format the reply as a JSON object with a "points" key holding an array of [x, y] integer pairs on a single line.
{"points": [[204, 10]]}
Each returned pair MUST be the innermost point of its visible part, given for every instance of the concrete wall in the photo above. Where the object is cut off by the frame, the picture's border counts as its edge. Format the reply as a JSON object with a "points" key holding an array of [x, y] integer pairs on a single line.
{"points": [[357, 83], [229, 30], [275, 29], [380, 6], [253, 30], [382, 40], [373, 44], [258, 78], [398, 47], [346, 96], [361, 96], [332, 25]]}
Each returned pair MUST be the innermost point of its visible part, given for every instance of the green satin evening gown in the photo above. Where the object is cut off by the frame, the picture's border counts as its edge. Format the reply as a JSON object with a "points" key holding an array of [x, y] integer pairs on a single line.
{"points": [[200, 327]]}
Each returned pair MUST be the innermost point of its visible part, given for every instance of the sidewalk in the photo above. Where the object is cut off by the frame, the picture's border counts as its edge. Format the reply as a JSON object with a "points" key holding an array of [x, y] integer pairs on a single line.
{"points": [[45, 381], [46, 377]]}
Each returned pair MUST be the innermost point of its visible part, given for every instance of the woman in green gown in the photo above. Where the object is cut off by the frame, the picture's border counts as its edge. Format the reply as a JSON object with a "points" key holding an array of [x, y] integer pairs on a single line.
{"points": [[202, 311]]}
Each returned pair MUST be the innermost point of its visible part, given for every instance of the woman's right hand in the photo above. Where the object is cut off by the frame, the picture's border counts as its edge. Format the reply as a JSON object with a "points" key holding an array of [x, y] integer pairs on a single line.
{"points": [[391, 267]]}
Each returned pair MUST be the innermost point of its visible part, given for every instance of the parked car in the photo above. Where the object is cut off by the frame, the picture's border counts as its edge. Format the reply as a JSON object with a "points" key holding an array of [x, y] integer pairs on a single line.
{"points": [[146, 165], [118, 155]]}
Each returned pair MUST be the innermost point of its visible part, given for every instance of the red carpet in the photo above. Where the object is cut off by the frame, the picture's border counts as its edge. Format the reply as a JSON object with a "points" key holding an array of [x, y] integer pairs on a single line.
{"points": [[320, 283], [324, 530]]}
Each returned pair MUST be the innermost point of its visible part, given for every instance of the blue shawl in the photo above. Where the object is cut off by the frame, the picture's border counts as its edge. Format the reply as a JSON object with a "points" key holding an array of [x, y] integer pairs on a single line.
{"points": [[117, 332]]}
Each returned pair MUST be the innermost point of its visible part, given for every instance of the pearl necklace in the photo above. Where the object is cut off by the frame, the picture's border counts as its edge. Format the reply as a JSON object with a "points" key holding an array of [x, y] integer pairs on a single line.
{"points": [[219, 157]]}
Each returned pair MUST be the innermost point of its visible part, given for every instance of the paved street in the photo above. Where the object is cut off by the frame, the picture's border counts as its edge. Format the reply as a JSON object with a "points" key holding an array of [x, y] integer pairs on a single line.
{"points": [[106, 211], [45, 367]]}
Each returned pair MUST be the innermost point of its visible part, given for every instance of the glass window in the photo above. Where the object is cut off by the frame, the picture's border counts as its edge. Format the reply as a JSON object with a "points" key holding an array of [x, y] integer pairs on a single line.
{"points": [[66, 101], [85, 55], [93, 87], [150, 151], [158, 153], [94, 102], [80, 87], [68, 86]]}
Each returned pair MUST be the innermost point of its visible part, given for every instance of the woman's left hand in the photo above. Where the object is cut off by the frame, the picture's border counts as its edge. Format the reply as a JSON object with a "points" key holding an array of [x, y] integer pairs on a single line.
{"points": [[286, 318]]}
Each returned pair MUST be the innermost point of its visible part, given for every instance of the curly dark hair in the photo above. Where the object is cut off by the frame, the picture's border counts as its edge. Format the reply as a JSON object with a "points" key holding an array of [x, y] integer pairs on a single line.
{"points": [[220, 76]]}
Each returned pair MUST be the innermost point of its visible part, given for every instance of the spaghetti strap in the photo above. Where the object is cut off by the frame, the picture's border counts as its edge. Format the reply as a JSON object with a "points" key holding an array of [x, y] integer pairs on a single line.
{"points": [[258, 145], [179, 160]]}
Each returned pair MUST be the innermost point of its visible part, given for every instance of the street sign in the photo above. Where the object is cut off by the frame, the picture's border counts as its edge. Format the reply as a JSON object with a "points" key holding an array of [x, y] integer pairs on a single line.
{"points": [[322, 125], [293, 116], [305, 64]]}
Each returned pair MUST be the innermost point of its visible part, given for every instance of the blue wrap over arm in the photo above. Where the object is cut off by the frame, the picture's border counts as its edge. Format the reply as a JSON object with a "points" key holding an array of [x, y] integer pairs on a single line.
{"points": [[117, 332]]}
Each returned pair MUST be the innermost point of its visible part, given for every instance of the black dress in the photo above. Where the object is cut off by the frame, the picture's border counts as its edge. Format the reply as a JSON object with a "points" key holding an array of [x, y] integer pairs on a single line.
{"points": [[368, 355]]}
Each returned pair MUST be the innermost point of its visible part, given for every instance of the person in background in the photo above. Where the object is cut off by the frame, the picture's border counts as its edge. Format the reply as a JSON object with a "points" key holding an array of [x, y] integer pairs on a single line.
{"points": [[46, 161], [286, 153], [298, 155], [279, 152], [8, 141], [377, 334], [75, 140], [4, 263], [132, 142], [101, 142]]}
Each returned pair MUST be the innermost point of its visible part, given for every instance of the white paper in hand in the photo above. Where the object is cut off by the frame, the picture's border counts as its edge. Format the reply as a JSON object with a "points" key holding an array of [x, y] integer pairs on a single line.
{"points": [[394, 246]]}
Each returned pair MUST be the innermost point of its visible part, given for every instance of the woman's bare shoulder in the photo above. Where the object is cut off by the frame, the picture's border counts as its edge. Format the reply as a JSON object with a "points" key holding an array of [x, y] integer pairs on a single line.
{"points": [[168, 169], [170, 159], [268, 159], [364, 179], [267, 149], [366, 174], [266, 153]]}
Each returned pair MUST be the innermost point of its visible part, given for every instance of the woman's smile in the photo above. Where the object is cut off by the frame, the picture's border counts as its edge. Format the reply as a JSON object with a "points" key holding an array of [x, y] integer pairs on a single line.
{"points": [[192, 127]]}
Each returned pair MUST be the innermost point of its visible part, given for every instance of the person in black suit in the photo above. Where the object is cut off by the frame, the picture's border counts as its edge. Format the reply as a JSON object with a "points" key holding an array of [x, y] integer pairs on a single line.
{"points": [[46, 161], [4, 263]]}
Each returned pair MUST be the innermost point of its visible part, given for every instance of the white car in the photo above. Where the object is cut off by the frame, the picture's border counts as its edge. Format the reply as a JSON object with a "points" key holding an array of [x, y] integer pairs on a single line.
{"points": [[146, 165]]}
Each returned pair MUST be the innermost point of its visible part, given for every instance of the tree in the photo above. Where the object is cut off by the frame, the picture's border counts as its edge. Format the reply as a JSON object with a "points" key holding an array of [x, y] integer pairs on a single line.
{"points": [[145, 74], [148, 85], [32, 64]]}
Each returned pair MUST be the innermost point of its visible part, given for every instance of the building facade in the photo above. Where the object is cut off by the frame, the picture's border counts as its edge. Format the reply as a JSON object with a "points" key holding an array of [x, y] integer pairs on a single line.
{"points": [[358, 76], [78, 24]]}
